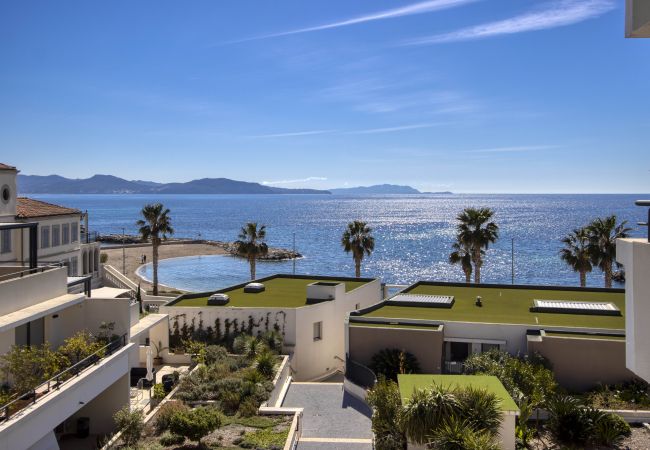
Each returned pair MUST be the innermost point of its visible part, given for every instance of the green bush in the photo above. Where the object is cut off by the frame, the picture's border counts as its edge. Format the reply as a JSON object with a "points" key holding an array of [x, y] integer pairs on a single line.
{"points": [[391, 362], [266, 438], [215, 353], [103, 257], [265, 364], [168, 439], [457, 434], [131, 424], [196, 423], [230, 402], [480, 409], [248, 407], [385, 400], [159, 391], [165, 413], [273, 341], [610, 430]]}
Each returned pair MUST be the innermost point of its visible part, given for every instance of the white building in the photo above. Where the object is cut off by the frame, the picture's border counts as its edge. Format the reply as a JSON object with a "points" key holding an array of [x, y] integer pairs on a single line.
{"points": [[60, 233]]}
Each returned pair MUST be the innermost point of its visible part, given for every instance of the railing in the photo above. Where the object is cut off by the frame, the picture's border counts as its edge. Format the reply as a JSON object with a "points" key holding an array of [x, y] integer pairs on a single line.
{"points": [[118, 279], [359, 374], [23, 273], [44, 389], [454, 367]]}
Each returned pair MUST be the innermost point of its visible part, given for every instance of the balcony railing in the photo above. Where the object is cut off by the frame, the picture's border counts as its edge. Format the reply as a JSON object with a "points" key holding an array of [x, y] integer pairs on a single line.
{"points": [[54, 384], [359, 374], [454, 367], [25, 272]]}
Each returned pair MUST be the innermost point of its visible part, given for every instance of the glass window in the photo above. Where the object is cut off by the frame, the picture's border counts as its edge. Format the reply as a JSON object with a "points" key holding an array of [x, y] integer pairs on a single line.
{"points": [[74, 232], [56, 235], [65, 231], [45, 237], [318, 331], [5, 241]]}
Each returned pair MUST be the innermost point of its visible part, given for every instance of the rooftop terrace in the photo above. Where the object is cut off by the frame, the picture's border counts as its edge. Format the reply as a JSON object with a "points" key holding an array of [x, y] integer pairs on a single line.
{"points": [[504, 304], [282, 291], [409, 383]]}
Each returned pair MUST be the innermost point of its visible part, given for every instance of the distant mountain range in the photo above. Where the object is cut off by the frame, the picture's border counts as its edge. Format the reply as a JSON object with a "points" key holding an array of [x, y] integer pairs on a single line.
{"points": [[109, 184]]}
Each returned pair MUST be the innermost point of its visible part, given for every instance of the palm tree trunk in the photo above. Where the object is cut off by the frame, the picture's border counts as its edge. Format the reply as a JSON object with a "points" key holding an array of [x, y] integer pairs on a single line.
{"points": [[155, 244], [583, 278], [357, 267], [468, 277], [252, 264], [608, 276], [477, 266]]}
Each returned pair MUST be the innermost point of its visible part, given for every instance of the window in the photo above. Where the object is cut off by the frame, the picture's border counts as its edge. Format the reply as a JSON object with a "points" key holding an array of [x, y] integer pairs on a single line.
{"points": [[45, 237], [318, 331], [65, 229], [72, 266], [5, 241], [56, 235], [6, 194], [74, 232], [488, 347]]}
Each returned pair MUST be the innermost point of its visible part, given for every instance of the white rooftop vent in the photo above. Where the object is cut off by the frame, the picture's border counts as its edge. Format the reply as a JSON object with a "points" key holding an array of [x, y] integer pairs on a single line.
{"points": [[254, 288], [218, 299], [430, 301], [576, 307]]}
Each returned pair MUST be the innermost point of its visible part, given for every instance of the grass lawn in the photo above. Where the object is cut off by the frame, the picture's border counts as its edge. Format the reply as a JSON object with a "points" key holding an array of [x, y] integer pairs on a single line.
{"points": [[408, 383], [501, 305], [279, 293]]}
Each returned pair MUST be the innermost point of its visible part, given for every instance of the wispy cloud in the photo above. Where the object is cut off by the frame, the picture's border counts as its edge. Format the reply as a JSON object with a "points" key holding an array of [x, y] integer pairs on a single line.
{"points": [[397, 128], [522, 148], [298, 180], [409, 10], [558, 14], [292, 134]]}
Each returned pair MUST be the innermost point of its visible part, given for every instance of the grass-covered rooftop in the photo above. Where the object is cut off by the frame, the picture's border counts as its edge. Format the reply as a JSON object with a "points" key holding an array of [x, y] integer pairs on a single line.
{"points": [[504, 304], [409, 383], [281, 291]]}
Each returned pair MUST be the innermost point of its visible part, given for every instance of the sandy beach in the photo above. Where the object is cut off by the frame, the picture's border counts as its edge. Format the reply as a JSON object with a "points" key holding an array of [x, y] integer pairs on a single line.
{"points": [[171, 250]]}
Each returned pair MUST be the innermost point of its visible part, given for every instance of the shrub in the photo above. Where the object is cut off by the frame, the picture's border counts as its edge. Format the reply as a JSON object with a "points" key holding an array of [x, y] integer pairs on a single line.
{"points": [[195, 424], [385, 400], [78, 347], [610, 430], [481, 410], [103, 257], [391, 362], [131, 424], [230, 402], [265, 364], [273, 341], [249, 346], [568, 421], [168, 439], [450, 435], [28, 366], [266, 438], [159, 391], [215, 353], [248, 408], [165, 413]]}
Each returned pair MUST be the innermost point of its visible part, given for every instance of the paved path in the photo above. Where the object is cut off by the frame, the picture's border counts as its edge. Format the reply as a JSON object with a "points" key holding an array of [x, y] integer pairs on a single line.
{"points": [[332, 419]]}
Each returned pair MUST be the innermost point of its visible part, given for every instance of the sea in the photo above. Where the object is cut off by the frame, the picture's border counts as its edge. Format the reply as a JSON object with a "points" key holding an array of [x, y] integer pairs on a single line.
{"points": [[413, 233]]}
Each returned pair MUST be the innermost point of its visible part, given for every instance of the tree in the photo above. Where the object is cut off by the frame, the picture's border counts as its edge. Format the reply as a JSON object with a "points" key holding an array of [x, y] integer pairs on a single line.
{"points": [[390, 362], [386, 402], [462, 254], [251, 244], [425, 411], [478, 232], [28, 366], [576, 253], [79, 346], [358, 240], [196, 423], [155, 227], [602, 243], [131, 424]]}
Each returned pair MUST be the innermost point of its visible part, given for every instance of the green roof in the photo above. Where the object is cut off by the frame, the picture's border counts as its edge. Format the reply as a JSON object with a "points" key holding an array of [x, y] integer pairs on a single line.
{"points": [[409, 383], [608, 337], [505, 304], [282, 291], [409, 326]]}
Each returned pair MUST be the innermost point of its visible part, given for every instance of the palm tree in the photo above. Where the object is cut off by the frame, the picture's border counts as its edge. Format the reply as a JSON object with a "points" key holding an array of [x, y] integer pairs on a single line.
{"points": [[576, 253], [155, 226], [476, 230], [358, 240], [602, 243], [462, 255], [251, 244]]}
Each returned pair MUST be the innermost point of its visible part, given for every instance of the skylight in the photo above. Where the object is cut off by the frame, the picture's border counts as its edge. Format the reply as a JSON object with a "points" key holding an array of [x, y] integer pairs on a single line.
{"points": [[430, 301], [576, 307]]}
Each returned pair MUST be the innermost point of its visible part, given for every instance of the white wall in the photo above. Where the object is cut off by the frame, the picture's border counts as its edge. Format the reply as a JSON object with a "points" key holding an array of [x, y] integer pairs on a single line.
{"points": [[634, 254], [101, 409], [19, 293]]}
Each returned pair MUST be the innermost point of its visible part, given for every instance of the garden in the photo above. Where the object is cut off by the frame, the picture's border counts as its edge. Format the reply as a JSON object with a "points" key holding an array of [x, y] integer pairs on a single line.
{"points": [[450, 419], [217, 404]]}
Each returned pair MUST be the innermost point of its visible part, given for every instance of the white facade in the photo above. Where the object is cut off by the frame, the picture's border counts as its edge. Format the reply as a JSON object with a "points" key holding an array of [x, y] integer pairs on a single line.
{"points": [[634, 254]]}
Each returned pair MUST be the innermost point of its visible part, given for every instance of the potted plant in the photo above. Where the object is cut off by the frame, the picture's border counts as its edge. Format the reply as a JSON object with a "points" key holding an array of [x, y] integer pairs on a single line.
{"points": [[159, 349]]}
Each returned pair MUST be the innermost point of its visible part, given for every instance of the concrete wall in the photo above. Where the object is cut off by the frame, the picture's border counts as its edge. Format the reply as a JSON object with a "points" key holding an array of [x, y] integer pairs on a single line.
{"points": [[581, 364], [8, 210], [19, 293], [634, 254], [65, 323], [425, 345], [115, 310]]}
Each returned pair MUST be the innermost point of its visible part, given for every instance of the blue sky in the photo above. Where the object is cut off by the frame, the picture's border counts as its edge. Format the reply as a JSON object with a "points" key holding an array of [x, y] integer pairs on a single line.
{"points": [[461, 95]]}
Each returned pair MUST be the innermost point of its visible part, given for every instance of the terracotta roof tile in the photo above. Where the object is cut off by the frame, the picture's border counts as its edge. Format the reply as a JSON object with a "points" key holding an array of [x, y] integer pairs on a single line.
{"points": [[6, 167], [28, 208]]}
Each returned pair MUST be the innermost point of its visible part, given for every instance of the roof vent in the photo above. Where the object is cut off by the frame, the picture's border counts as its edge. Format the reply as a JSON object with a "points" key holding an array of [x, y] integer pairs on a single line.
{"points": [[427, 301], [218, 299], [254, 288], [576, 307]]}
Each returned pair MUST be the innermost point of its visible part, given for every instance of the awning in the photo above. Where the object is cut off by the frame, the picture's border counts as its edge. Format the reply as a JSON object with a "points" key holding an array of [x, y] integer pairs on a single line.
{"points": [[42, 309]]}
